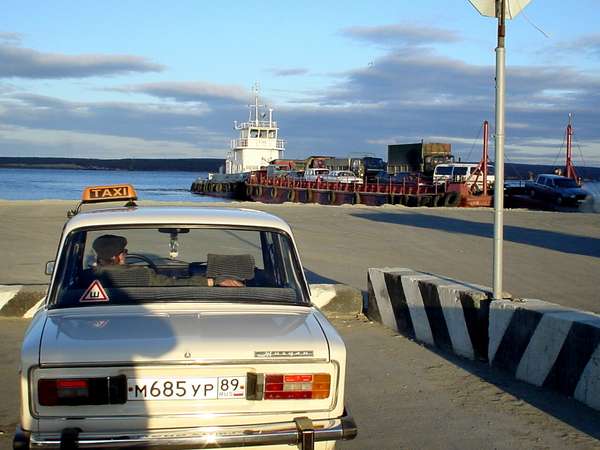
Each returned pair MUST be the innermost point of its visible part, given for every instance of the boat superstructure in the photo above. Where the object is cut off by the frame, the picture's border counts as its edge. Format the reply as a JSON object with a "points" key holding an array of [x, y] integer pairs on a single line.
{"points": [[258, 142]]}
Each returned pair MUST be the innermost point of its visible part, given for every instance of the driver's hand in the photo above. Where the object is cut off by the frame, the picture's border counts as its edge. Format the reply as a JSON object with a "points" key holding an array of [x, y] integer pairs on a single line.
{"points": [[229, 282]]}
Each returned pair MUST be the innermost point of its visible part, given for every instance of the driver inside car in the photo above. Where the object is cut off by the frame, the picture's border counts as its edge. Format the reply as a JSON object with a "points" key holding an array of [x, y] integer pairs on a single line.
{"points": [[111, 254]]}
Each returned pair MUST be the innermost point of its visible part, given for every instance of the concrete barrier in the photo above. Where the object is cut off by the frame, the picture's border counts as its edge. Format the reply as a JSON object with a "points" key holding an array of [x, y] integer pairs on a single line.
{"points": [[549, 346], [20, 301], [436, 311], [538, 342], [337, 300]]}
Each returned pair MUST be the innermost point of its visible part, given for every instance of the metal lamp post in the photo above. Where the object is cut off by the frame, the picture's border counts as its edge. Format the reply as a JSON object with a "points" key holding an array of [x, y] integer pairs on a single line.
{"points": [[501, 9]]}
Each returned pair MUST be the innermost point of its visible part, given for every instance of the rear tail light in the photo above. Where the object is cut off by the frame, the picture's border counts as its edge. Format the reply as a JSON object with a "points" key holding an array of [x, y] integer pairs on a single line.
{"points": [[296, 386], [82, 391]]}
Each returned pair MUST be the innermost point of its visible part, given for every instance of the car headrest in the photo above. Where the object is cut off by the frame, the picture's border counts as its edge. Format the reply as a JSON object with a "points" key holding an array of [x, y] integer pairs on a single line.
{"points": [[123, 276], [234, 266]]}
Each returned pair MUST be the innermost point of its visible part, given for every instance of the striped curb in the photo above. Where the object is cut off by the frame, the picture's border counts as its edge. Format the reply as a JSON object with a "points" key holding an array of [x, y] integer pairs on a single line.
{"points": [[20, 301], [549, 346], [7, 293], [541, 343], [337, 300], [435, 311]]}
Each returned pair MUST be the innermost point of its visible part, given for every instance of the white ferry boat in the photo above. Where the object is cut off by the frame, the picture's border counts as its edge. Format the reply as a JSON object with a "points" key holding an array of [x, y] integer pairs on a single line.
{"points": [[258, 144]]}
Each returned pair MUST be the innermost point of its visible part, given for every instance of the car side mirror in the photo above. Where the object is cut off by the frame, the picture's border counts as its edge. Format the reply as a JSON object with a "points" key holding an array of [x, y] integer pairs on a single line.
{"points": [[49, 268]]}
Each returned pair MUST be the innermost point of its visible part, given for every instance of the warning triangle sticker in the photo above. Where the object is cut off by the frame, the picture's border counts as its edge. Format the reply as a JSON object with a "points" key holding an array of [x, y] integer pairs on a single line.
{"points": [[94, 293]]}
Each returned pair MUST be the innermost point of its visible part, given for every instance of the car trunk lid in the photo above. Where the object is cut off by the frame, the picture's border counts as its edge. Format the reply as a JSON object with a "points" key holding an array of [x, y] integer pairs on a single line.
{"points": [[157, 334]]}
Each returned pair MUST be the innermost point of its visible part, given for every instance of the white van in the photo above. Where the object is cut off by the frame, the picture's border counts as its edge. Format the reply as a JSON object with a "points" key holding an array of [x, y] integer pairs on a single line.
{"points": [[462, 172], [314, 173]]}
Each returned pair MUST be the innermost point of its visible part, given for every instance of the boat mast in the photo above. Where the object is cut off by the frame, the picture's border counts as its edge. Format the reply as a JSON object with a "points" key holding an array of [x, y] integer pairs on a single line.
{"points": [[569, 167]]}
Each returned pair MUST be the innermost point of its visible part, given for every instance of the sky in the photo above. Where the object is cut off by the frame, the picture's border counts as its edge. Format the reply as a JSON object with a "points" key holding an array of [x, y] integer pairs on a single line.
{"points": [[158, 79]]}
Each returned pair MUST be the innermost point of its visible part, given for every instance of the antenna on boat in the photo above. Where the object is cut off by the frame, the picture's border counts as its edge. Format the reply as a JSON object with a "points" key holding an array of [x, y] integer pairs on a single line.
{"points": [[255, 106]]}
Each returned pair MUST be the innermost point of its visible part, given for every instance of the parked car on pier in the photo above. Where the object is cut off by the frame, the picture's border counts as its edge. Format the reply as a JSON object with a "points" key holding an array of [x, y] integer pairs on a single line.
{"points": [[342, 176], [313, 174], [462, 173], [177, 327], [556, 188]]}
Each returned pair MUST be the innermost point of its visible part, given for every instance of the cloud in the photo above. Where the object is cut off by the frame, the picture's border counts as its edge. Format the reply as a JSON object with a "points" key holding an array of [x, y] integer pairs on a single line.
{"points": [[10, 38], [407, 95], [401, 34], [187, 124], [289, 72], [18, 62], [61, 143], [191, 92], [588, 44]]}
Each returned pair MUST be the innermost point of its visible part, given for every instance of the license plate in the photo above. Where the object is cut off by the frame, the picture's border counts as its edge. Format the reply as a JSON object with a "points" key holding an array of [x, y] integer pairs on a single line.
{"points": [[208, 388]]}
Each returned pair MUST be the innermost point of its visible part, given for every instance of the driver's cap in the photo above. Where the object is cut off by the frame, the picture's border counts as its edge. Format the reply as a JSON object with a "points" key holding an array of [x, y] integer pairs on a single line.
{"points": [[109, 245]]}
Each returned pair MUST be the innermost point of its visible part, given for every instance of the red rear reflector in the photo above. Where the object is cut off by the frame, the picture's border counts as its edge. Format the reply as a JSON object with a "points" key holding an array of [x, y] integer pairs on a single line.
{"points": [[297, 378], [71, 384], [297, 386]]}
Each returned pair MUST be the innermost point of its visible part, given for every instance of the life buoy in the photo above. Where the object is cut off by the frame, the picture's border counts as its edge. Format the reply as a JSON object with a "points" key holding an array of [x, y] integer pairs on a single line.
{"points": [[451, 199]]}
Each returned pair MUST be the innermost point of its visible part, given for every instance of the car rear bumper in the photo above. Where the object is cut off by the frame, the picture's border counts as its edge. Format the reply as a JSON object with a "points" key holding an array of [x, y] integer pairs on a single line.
{"points": [[302, 432]]}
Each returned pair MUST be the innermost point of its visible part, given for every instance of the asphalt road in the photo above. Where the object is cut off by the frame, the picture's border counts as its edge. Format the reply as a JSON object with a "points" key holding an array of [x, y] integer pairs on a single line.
{"points": [[402, 394], [405, 396], [551, 256]]}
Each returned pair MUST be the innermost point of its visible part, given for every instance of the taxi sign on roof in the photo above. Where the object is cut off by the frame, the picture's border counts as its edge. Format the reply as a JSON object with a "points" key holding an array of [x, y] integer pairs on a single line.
{"points": [[114, 192]]}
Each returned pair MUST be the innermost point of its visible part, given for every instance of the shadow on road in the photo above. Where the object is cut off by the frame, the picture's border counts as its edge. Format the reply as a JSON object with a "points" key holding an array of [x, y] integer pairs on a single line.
{"points": [[552, 240], [568, 410]]}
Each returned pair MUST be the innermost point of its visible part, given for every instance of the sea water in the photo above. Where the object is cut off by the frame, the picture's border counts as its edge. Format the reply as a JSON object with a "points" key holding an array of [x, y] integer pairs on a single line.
{"points": [[40, 184]]}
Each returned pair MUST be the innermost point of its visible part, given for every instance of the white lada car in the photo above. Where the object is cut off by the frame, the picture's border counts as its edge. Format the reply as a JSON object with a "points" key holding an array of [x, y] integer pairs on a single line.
{"points": [[174, 327]]}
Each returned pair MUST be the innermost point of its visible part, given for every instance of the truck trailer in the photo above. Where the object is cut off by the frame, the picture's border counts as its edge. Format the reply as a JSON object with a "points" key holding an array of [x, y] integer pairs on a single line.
{"points": [[420, 157]]}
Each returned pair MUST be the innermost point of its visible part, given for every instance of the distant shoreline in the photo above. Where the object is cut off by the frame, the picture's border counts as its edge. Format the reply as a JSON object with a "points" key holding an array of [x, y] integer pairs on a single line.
{"points": [[142, 164], [512, 170]]}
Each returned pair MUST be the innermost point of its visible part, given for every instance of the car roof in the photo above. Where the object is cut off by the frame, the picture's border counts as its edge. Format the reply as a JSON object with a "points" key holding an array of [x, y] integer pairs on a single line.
{"points": [[551, 175], [176, 215]]}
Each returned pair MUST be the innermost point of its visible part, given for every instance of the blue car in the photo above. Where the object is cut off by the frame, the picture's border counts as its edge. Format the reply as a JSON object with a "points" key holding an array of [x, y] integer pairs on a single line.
{"points": [[555, 188]]}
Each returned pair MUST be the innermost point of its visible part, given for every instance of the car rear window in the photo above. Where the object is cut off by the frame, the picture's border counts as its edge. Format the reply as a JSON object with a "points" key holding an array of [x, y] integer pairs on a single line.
{"points": [[153, 264]]}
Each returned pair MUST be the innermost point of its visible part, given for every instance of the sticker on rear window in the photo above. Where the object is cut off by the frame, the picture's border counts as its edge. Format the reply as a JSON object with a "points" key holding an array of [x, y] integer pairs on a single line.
{"points": [[94, 293]]}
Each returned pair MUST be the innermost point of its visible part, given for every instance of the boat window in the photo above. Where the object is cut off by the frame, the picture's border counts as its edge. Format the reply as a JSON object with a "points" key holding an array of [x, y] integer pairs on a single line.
{"points": [[115, 266], [443, 170], [253, 133], [263, 134], [272, 134]]}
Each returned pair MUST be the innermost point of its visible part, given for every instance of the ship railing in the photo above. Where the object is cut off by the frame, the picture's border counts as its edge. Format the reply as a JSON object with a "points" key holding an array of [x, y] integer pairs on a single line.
{"points": [[277, 144], [406, 187], [254, 123]]}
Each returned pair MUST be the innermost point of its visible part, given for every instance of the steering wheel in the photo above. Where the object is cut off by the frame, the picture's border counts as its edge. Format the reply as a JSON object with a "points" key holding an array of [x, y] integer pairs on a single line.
{"points": [[143, 258]]}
